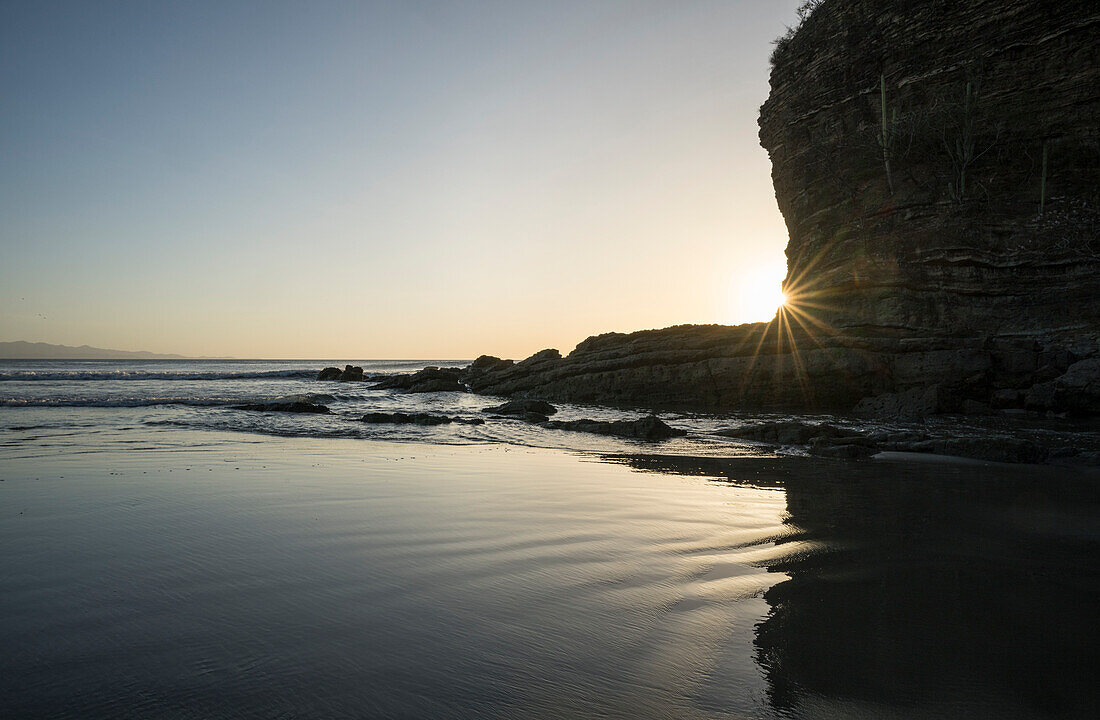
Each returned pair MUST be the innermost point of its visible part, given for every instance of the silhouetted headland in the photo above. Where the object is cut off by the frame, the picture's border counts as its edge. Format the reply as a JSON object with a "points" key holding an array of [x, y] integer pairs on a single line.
{"points": [[939, 184], [22, 350], [918, 281]]}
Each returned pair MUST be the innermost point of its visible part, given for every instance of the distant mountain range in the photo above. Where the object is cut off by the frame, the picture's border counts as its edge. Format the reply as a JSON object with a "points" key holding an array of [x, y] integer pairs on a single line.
{"points": [[21, 350]]}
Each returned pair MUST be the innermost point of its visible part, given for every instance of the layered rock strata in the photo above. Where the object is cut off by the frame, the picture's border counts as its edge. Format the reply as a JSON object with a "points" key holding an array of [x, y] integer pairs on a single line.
{"points": [[937, 164]]}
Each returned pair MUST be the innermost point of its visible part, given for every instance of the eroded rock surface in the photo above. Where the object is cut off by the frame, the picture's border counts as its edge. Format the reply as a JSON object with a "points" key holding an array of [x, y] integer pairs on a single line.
{"points": [[943, 256]]}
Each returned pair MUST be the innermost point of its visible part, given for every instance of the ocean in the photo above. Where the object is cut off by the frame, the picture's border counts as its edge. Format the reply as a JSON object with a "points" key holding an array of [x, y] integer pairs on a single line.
{"points": [[55, 400], [167, 556]]}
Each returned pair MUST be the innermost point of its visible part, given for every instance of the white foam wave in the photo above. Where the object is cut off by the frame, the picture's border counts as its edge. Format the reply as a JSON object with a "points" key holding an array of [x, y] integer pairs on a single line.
{"points": [[101, 375], [152, 401]]}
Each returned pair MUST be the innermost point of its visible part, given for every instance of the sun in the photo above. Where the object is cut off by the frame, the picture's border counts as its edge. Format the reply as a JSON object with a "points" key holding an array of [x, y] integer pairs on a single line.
{"points": [[758, 297]]}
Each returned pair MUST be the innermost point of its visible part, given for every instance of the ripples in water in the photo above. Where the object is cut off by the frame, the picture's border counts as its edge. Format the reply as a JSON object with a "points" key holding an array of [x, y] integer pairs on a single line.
{"points": [[329, 578]]}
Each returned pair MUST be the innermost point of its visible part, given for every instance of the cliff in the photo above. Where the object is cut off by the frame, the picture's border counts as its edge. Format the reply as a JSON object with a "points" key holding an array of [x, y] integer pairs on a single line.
{"points": [[937, 164]]}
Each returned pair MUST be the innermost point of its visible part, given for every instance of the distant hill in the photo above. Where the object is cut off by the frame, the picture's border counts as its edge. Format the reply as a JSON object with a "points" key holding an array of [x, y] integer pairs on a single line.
{"points": [[21, 350]]}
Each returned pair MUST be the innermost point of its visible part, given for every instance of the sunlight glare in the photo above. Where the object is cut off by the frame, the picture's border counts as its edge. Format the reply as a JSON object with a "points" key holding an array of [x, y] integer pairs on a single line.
{"points": [[760, 297]]}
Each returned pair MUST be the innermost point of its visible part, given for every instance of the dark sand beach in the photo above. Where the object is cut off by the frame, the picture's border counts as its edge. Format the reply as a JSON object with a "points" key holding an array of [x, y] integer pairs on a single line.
{"points": [[786, 398], [184, 573]]}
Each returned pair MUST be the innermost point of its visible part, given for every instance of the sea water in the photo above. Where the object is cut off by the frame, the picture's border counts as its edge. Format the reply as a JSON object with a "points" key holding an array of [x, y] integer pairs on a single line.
{"points": [[164, 555]]}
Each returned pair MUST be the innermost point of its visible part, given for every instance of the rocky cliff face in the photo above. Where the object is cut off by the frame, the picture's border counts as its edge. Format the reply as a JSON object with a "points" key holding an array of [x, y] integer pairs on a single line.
{"points": [[937, 163]]}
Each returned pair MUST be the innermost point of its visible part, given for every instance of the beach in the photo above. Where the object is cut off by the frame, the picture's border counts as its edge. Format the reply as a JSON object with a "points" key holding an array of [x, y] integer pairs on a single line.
{"points": [[671, 361], [348, 579], [154, 570]]}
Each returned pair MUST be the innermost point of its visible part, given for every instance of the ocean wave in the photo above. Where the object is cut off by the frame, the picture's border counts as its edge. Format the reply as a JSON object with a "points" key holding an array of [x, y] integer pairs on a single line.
{"points": [[100, 375], [149, 401]]}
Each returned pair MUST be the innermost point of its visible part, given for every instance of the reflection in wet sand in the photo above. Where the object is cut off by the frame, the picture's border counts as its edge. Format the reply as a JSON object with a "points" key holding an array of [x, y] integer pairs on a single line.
{"points": [[926, 590]]}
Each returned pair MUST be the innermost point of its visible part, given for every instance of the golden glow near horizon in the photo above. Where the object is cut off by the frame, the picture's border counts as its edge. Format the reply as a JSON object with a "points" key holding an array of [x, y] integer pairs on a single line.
{"points": [[477, 192]]}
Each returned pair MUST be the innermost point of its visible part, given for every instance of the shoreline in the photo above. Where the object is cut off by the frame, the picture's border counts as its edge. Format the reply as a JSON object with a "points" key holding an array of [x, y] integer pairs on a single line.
{"points": [[408, 402], [317, 577], [1008, 436]]}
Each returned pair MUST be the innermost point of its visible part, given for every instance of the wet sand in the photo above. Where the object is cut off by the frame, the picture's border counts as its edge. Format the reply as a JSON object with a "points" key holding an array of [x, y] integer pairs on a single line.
{"points": [[259, 577]]}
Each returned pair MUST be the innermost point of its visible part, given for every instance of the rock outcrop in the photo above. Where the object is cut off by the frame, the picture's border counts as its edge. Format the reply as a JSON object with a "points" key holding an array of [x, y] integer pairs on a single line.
{"points": [[488, 362], [937, 163], [430, 379], [647, 428], [351, 373], [523, 407], [831, 441]]}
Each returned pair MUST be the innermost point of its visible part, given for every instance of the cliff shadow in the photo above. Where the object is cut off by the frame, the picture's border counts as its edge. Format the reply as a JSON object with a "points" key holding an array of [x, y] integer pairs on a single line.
{"points": [[943, 590]]}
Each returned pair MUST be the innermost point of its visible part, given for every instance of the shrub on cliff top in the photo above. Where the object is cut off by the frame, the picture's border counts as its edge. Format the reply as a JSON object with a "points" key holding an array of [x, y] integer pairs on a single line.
{"points": [[805, 10]]}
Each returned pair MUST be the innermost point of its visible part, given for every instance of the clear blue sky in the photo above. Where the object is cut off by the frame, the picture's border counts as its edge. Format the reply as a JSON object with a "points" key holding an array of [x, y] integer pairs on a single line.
{"points": [[382, 179]]}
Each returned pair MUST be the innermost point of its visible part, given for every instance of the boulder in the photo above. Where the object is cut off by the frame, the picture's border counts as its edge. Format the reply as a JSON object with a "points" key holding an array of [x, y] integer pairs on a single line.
{"points": [[489, 363], [329, 373], [520, 407], [846, 451], [1006, 398], [351, 374], [1081, 384], [484, 367], [1041, 396], [647, 428], [398, 381], [914, 404], [784, 433], [542, 356]]}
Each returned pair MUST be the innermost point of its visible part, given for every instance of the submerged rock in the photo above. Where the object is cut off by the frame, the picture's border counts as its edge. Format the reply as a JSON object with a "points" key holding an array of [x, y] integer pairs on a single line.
{"points": [[648, 428], [329, 373], [522, 407], [847, 451], [417, 419], [991, 449], [296, 406], [783, 433]]}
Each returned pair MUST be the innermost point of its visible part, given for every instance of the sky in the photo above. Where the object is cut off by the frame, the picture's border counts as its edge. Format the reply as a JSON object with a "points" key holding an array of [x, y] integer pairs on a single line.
{"points": [[405, 179]]}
